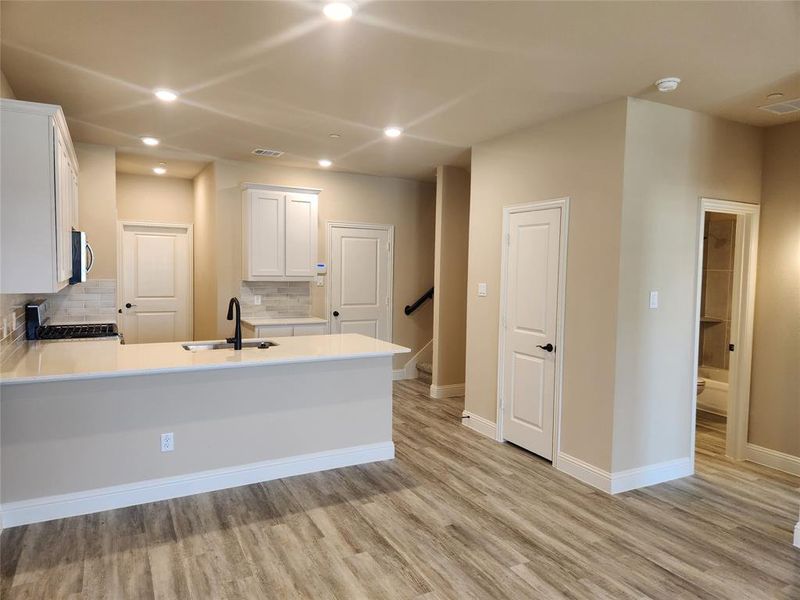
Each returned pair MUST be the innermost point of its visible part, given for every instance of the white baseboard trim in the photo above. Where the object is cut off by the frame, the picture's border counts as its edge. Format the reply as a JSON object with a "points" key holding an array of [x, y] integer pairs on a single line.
{"points": [[400, 374], [797, 535], [772, 458], [623, 481], [712, 408], [80, 503], [583, 471], [446, 391], [479, 424]]}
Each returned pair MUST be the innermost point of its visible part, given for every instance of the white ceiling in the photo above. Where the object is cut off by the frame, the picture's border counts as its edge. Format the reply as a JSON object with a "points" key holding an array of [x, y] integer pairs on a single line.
{"points": [[279, 75]]}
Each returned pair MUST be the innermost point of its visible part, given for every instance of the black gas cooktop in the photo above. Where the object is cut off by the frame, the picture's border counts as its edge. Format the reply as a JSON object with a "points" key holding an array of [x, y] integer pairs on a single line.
{"points": [[67, 332]]}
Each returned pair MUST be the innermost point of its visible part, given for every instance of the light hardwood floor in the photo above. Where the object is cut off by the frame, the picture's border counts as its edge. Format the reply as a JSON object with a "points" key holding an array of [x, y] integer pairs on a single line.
{"points": [[456, 515]]}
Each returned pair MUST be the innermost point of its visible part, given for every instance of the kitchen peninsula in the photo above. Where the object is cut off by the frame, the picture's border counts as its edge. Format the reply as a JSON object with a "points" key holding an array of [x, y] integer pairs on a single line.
{"points": [[75, 440]]}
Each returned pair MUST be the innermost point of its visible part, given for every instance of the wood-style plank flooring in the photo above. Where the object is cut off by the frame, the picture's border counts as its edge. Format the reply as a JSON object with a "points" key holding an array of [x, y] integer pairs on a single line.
{"points": [[456, 515]]}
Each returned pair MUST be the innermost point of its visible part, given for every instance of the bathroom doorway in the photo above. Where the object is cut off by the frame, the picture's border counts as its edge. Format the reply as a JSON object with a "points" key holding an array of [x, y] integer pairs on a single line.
{"points": [[725, 302]]}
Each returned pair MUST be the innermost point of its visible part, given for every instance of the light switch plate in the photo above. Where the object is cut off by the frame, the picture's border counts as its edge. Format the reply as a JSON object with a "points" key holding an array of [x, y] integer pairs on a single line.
{"points": [[481, 289], [654, 299], [320, 281], [257, 300]]}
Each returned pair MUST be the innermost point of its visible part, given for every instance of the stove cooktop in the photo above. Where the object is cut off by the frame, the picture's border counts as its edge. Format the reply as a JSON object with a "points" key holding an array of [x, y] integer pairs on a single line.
{"points": [[69, 332]]}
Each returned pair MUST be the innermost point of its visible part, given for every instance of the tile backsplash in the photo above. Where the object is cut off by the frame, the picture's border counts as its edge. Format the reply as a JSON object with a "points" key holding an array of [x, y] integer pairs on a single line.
{"points": [[278, 298], [92, 302]]}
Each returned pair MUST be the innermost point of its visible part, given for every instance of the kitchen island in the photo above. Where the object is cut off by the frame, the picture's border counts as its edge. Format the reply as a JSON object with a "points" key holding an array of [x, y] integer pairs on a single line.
{"points": [[81, 423]]}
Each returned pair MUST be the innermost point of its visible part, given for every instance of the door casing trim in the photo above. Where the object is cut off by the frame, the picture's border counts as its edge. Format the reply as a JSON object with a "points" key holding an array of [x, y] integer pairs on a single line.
{"points": [[563, 204], [742, 318], [329, 226]]}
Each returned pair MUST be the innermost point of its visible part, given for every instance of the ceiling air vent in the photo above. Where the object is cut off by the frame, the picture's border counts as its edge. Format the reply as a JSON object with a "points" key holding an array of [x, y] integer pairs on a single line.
{"points": [[783, 108], [267, 152]]}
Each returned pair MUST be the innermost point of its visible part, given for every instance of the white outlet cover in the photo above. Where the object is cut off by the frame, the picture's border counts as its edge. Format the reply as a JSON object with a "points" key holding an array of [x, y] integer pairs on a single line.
{"points": [[167, 442], [654, 299], [257, 300], [482, 289]]}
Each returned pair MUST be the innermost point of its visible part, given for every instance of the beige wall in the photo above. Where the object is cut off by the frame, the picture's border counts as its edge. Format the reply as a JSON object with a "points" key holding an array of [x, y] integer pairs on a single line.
{"points": [[5, 88], [774, 395], [205, 256], [97, 192], [450, 275], [580, 156], [406, 204], [155, 199], [672, 158]]}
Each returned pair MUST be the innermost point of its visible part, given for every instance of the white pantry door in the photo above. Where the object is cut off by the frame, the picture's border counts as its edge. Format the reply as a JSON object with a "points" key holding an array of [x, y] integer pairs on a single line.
{"points": [[155, 294], [531, 309], [361, 280]]}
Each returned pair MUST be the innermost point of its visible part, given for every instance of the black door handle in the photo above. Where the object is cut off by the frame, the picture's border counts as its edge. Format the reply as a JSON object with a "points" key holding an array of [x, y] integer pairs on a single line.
{"points": [[129, 305], [336, 313], [548, 347]]}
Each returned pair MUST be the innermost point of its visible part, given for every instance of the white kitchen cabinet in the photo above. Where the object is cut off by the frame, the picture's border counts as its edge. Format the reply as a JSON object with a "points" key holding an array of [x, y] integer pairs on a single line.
{"points": [[288, 330], [279, 233], [38, 198]]}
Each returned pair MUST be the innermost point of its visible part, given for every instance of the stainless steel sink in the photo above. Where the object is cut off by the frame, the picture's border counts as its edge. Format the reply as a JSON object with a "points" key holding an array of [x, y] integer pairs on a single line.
{"points": [[260, 344]]}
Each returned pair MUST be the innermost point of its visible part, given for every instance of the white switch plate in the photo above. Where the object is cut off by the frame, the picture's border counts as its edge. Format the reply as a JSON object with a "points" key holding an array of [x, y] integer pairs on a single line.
{"points": [[257, 300], [654, 299], [481, 289], [320, 281], [167, 442]]}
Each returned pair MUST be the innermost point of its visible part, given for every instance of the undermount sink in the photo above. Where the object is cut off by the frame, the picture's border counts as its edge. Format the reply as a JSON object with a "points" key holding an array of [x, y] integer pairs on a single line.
{"points": [[259, 344]]}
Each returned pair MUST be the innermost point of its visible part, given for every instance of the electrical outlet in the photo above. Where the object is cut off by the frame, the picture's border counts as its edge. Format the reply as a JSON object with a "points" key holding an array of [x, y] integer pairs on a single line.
{"points": [[167, 442], [257, 300], [481, 289], [320, 281]]}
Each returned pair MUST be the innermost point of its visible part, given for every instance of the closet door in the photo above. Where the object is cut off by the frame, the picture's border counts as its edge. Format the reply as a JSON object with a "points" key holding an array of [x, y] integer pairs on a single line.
{"points": [[301, 235]]}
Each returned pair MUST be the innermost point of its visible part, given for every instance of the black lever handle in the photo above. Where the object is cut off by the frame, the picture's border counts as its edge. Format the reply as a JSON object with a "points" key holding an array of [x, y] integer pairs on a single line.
{"points": [[129, 305], [548, 347], [336, 313]]}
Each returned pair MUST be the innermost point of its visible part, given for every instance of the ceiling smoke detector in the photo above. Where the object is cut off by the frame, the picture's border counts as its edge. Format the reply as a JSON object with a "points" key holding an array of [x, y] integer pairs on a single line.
{"points": [[268, 153], [668, 84]]}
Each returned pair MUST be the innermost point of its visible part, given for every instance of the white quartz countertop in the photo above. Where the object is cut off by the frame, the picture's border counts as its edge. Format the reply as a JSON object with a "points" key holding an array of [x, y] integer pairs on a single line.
{"points": [[57, 361], [262, 321]]}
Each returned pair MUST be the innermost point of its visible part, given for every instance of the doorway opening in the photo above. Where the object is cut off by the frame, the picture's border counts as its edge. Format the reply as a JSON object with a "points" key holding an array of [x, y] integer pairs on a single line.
{"points": [[724, 326]]}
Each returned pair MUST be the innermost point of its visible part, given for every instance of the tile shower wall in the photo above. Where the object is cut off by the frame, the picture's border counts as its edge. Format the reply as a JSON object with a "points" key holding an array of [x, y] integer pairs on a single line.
{"points": [[278, 298], [717, 292]]}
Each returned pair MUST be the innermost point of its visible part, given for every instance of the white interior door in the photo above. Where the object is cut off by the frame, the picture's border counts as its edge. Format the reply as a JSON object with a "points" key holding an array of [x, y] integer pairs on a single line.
{"points": [[360, 273], [155, 292], [532, 263]]}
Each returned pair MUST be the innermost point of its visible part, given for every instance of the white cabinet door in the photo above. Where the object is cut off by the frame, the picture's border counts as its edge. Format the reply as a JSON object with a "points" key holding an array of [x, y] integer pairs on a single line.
{"points": [[318, 329], [301, 235], [268, 331], [264, 247], [63, 201]]}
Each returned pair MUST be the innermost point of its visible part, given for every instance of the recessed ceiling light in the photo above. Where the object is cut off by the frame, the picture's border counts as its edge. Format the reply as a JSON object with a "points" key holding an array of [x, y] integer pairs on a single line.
{"points": [[165, 95], [334, 136], [150, 141], [337, 11], [324, 162], [775, 96], [393, 131], [667, 84], [160, 169]]}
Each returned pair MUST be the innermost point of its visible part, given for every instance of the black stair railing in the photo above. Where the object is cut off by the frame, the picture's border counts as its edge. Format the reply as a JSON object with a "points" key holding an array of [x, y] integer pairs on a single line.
{"points": [[410, 308]]}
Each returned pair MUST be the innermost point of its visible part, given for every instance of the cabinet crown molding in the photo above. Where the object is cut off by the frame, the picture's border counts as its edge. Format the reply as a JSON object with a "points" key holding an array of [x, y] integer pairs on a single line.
{"points": [[280, 188]]}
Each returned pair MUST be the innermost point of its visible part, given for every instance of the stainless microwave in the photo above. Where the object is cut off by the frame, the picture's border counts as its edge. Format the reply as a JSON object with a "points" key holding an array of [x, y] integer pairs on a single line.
{"points": [[82, 257]]}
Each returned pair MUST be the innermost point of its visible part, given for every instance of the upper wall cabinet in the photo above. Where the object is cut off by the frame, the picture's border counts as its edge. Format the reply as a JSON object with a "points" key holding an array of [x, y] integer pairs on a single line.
{"points": [[38, 198], [279, 233]]}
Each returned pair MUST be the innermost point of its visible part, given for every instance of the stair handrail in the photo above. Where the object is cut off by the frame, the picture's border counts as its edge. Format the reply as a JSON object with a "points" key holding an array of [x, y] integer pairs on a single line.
{"points": [[410, 308]]}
